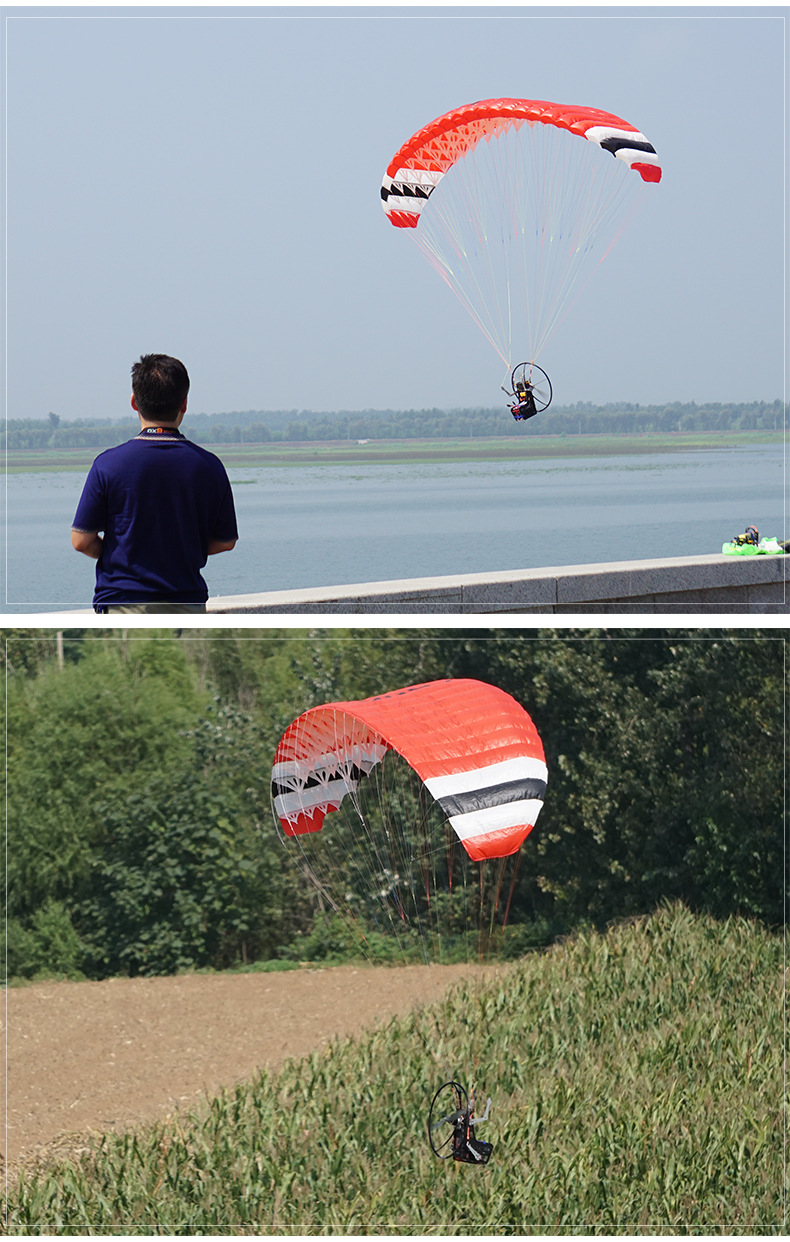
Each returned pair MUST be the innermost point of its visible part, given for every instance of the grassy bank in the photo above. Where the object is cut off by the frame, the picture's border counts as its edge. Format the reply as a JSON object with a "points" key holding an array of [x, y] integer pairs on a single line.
{"points": [[636, 1081], [350, 452]]}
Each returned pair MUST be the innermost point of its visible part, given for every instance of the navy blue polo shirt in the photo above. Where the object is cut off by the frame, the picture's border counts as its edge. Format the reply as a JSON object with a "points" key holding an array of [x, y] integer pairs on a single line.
{"points": [[158, 500]]}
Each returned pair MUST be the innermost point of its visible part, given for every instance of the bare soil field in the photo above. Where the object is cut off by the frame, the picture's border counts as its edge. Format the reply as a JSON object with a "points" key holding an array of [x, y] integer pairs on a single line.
{"points": [[83, 1058]]}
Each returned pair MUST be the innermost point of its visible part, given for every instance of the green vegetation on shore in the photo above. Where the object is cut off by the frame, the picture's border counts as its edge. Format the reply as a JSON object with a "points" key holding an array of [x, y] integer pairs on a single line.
{"points": [[636, 1078], [303, 427], [415, 451]]}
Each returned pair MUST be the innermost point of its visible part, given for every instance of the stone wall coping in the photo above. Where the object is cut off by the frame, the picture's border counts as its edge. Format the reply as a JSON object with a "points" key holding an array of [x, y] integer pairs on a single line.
{"points": [[727, 583]]}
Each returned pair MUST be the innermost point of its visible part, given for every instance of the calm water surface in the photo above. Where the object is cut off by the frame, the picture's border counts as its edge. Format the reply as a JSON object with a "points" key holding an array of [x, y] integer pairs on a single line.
{"points": [[326, 525]]}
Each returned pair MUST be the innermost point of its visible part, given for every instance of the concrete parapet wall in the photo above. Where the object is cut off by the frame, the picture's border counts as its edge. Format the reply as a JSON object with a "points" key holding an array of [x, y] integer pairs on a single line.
{"points": [[713, 583]]}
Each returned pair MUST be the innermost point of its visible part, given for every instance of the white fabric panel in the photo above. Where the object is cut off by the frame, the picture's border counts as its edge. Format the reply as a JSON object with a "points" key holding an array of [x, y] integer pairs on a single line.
{"points": [[637, 157], [599, 133], [417, 176], [475, 823], [290, 805], [365, 757], [397, 202], [484, 778]]}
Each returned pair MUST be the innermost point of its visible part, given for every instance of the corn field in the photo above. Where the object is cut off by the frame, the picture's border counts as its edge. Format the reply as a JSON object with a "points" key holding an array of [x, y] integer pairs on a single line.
{"points": [[637, 1087]]}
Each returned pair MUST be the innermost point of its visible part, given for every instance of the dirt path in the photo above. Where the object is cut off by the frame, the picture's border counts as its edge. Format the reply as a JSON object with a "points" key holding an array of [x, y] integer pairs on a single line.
{"points": [[86, 1057]]}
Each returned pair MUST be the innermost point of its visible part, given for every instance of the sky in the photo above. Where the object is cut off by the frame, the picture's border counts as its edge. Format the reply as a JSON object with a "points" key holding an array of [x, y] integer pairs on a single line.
{"points": [[205, 183]]}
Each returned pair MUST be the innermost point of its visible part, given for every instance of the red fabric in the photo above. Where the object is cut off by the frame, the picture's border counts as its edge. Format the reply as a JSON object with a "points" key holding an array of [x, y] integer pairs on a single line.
{"points": [[404, 219], [648, 172], [497, 844], [436, 146], [439, 727]]}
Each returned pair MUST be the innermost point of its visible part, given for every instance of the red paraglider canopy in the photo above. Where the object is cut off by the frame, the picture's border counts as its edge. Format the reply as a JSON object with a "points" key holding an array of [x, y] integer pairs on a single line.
{"points": [[419, 165], [474, 747]]}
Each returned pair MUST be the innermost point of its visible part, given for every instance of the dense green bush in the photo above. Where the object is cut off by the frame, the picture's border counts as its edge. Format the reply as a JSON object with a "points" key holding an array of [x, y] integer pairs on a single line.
{"points": [[48, 945], [170, 889], [140, 834]]}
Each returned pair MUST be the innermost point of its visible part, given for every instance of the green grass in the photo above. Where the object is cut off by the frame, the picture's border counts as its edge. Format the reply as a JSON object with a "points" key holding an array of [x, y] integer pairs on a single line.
{"points": [[495, 448], [636, 1081]]}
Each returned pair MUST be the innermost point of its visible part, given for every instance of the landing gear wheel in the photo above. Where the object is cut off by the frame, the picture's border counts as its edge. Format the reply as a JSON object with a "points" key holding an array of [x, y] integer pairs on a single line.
{"points": [[529, 375], [447, 1107]]}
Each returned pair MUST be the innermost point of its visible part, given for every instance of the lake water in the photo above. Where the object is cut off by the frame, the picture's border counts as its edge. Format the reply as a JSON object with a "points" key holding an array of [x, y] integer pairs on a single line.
{"points": [[332, 524]]}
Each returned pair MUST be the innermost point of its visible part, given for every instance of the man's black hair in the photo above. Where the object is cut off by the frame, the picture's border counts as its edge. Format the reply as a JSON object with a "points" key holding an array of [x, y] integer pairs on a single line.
{"points": [[160, 385]]}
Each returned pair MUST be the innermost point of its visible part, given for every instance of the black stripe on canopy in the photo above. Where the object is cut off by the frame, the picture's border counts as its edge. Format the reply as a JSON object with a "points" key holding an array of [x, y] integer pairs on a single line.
{"points": [[616, 144], [526, 789]]}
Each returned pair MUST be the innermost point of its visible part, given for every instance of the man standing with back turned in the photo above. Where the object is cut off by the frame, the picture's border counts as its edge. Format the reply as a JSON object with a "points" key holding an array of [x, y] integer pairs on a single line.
{"points": [[163, 503]]}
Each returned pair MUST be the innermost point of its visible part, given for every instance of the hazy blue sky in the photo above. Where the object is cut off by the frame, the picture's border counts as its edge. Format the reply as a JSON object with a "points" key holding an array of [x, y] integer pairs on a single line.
{"points": [[205, 182]]}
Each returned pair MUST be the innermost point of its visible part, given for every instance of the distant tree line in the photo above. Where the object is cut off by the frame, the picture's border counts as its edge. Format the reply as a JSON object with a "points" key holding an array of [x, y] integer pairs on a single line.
{"points": [[295, 426], [32, 433], [140, 838]]}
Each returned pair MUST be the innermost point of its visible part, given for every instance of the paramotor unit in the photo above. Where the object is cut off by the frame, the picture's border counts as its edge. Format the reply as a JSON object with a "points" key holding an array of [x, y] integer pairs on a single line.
{"points": [[451, 1120], [531, 387], [402, 818]]}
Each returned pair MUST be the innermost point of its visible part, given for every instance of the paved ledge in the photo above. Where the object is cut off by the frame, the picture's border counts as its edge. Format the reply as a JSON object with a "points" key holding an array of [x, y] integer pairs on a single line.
{"points": [[672, 584]]}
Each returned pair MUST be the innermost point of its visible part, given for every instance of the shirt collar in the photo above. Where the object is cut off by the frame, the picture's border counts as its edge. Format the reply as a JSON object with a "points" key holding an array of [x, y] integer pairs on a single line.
{"points": [[159, 433]]}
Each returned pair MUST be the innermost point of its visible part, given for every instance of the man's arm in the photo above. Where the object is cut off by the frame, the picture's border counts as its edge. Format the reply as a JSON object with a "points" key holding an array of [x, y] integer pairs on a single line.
{"points": [[220, 545], [89, 542]]}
